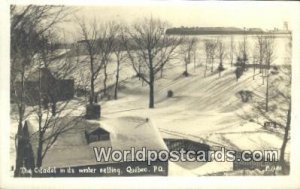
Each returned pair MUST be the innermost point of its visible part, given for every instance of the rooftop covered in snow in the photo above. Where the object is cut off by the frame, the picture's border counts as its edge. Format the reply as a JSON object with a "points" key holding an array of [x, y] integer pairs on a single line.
{"points": [[72, 149]]}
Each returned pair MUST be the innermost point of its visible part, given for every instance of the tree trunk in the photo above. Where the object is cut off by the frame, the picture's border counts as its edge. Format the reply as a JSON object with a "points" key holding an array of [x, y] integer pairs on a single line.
{"points": [[19, 150], [186, 68], [19, 136], [40, 144], [53, 108], [267, 94], [40, 118], [151, 80], [91, 100], [140, 72], [260, 59], [105, 79], [39, 155], [285, 140], [187, 61], [263, 77], [117, 80], [260, 66], [151, 95], [151, 86]]}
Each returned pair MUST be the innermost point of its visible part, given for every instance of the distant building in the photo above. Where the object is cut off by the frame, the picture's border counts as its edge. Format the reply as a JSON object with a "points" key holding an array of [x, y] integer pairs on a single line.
{"points": [[51, 89], [255, 30]]}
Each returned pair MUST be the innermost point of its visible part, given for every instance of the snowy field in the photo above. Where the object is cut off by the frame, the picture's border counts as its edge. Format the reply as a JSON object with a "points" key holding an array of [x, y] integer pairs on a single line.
{"points": [[203, 109]]}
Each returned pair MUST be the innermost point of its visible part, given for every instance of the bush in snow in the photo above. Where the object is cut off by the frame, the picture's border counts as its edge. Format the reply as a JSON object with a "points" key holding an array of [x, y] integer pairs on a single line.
{"points": [[170, 94], [185, 73], [245, 95], [221, 68], [238, 72]]}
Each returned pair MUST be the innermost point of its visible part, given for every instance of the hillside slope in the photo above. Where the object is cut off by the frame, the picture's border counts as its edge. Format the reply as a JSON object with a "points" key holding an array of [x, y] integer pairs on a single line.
{"points": [[203, 109]]}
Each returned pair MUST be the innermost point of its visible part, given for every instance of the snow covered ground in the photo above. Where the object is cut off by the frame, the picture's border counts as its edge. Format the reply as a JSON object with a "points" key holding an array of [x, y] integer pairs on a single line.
{"points": [[203, 109]]}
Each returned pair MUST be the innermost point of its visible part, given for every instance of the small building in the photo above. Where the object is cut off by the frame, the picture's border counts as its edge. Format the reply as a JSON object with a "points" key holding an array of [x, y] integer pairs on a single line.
{"points": [[44, 82], [97, 134]]}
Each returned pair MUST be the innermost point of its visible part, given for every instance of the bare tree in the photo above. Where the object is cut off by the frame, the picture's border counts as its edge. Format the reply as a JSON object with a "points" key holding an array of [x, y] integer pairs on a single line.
{"points": [[260, 47], [232, 49], [286, 95], [242, 57], [210, 50], [50, 120], [58, 67], [121, 56], [268, 59], [213, 54], [254, 63], [273, 104], [221, 54], [285, 140], [195, 57], [78, 59], [188, 48], [207, 46], [107, 36], [243, 52], [153, 47], [28, 25], [89, 34], [278, 109]]}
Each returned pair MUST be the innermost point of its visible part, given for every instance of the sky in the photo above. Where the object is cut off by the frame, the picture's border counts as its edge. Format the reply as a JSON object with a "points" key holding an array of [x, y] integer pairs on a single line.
{"points": [[265, 15]]}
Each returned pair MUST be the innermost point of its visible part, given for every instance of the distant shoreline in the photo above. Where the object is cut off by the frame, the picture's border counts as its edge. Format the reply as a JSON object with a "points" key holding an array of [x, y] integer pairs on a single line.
{"points": [[223, 31]]}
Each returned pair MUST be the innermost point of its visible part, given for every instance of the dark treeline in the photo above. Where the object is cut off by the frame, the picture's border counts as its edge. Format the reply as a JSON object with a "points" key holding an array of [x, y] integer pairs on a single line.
{"points": [[219, 31]]}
